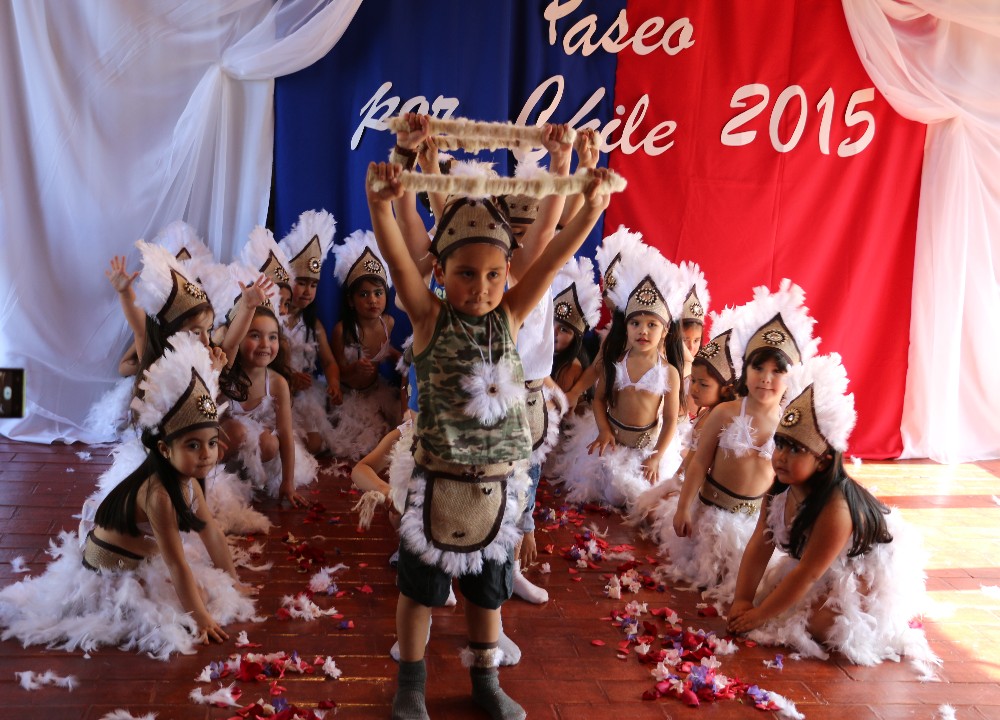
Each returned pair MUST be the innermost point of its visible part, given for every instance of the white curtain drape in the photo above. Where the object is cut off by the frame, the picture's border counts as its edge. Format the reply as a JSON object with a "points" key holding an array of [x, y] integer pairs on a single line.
{"points": [[938, 62], [116, 118]]}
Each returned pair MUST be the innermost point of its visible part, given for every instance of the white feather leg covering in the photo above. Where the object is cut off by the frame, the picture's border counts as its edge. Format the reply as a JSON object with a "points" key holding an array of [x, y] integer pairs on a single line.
{"points": [[108, 418], [710, 557], [229, 500], [872, 625], [614, 479], [309, 414], [266, 476], [555, 407], [72, 608], [363, 419], [411, 527]]}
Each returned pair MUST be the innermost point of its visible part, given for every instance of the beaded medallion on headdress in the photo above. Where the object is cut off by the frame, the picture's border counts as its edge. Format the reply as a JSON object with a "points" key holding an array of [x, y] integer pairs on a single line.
{"points": [[469, 220], [716, 355], [821, 414]]}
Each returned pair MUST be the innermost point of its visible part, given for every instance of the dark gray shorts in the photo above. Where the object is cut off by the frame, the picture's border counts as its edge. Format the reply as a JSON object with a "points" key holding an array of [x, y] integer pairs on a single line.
{"points": [[429, 585]]}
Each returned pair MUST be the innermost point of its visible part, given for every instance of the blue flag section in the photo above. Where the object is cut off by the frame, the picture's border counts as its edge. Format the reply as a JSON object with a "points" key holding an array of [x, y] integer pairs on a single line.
{"points": [[451, 58]]}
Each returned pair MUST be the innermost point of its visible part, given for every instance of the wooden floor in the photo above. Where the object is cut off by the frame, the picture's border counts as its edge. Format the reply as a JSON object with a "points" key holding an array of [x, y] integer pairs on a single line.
{"points": [[571, 667]]}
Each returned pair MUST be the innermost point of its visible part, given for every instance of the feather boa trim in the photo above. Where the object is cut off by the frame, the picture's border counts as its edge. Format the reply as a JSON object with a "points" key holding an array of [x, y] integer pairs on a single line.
{"points": [[542, 185], [555, 406], [411, 527], [495, 134]]}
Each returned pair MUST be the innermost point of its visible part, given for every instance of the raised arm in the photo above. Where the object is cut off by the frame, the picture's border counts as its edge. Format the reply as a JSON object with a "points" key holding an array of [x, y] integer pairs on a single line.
{"points": [[540, 232], [411, 225], [250, 297], [522, 298], [419, 301], [588, 151], [121, 280]]}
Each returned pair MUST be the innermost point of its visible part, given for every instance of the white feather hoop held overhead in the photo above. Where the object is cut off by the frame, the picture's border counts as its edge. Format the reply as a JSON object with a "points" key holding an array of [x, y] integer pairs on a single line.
{"points": [[821, 411], [357, 257], [472, 135]]}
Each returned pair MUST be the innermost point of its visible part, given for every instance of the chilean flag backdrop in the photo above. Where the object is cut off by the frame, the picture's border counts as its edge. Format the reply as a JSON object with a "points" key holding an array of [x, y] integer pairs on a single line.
{"points": [[753, 141]]}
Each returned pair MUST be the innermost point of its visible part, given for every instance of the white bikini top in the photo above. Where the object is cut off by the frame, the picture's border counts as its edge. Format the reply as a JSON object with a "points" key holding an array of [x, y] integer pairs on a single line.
{"points": [[737, 437], [236, 407], [302, 352], [652, 381], [355, 352]]}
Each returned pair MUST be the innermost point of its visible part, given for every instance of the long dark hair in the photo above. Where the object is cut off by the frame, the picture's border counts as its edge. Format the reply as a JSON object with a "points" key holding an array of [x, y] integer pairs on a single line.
{"points": [[158, 340], [867, 512], [614, 348], [117, 510], [349, 316], [756, 359], [574, 351], [234, 381]]}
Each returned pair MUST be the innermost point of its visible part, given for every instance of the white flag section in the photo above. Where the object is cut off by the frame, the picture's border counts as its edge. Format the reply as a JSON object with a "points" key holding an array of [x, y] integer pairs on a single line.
{"points": [[116, 119], [936, 62]]}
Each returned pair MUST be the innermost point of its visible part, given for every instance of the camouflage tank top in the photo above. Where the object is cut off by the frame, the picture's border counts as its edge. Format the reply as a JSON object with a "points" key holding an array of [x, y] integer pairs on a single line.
{"points": [[461, 343]]}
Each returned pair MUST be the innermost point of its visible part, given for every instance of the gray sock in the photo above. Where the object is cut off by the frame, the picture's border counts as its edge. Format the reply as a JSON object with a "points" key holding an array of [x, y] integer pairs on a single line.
{"points": [[409, 703], [487, 694]]}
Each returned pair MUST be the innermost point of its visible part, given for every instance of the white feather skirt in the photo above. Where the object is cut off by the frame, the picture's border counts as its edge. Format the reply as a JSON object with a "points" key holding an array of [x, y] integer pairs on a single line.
{"points": [[266, 476], [72, 608], [230, 501], [363, 419], [309, 414], [710, 557], [614, 479], [108, 418], [874, 595]]}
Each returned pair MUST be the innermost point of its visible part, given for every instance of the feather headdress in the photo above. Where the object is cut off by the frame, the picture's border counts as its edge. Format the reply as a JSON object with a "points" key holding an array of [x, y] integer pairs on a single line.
{"points": [[217, 283], [576, 297], [821, 414], [181, 240], [697, 299], [266, 256], [358, 258], [308, 242], [717, 354], [621, 243], [236, 273], [646, 282], [179, 390], [165, 291], [778, 320], [522, 209]]}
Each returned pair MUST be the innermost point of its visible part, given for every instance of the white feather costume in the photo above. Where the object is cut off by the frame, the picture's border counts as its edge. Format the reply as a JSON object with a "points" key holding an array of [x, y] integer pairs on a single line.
{"points": [[71, 607], [182, 241], [365, 416], [622, 243], [710, 557], [875, 595], [308, 243], [616, 478]]}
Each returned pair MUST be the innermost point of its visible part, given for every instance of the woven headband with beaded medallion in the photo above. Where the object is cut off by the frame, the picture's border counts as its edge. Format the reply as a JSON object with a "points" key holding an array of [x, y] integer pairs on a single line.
{"points": [[186, 299], [798, 422], [195, 409], [366, 266], [774, 334], [308, 263]]}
